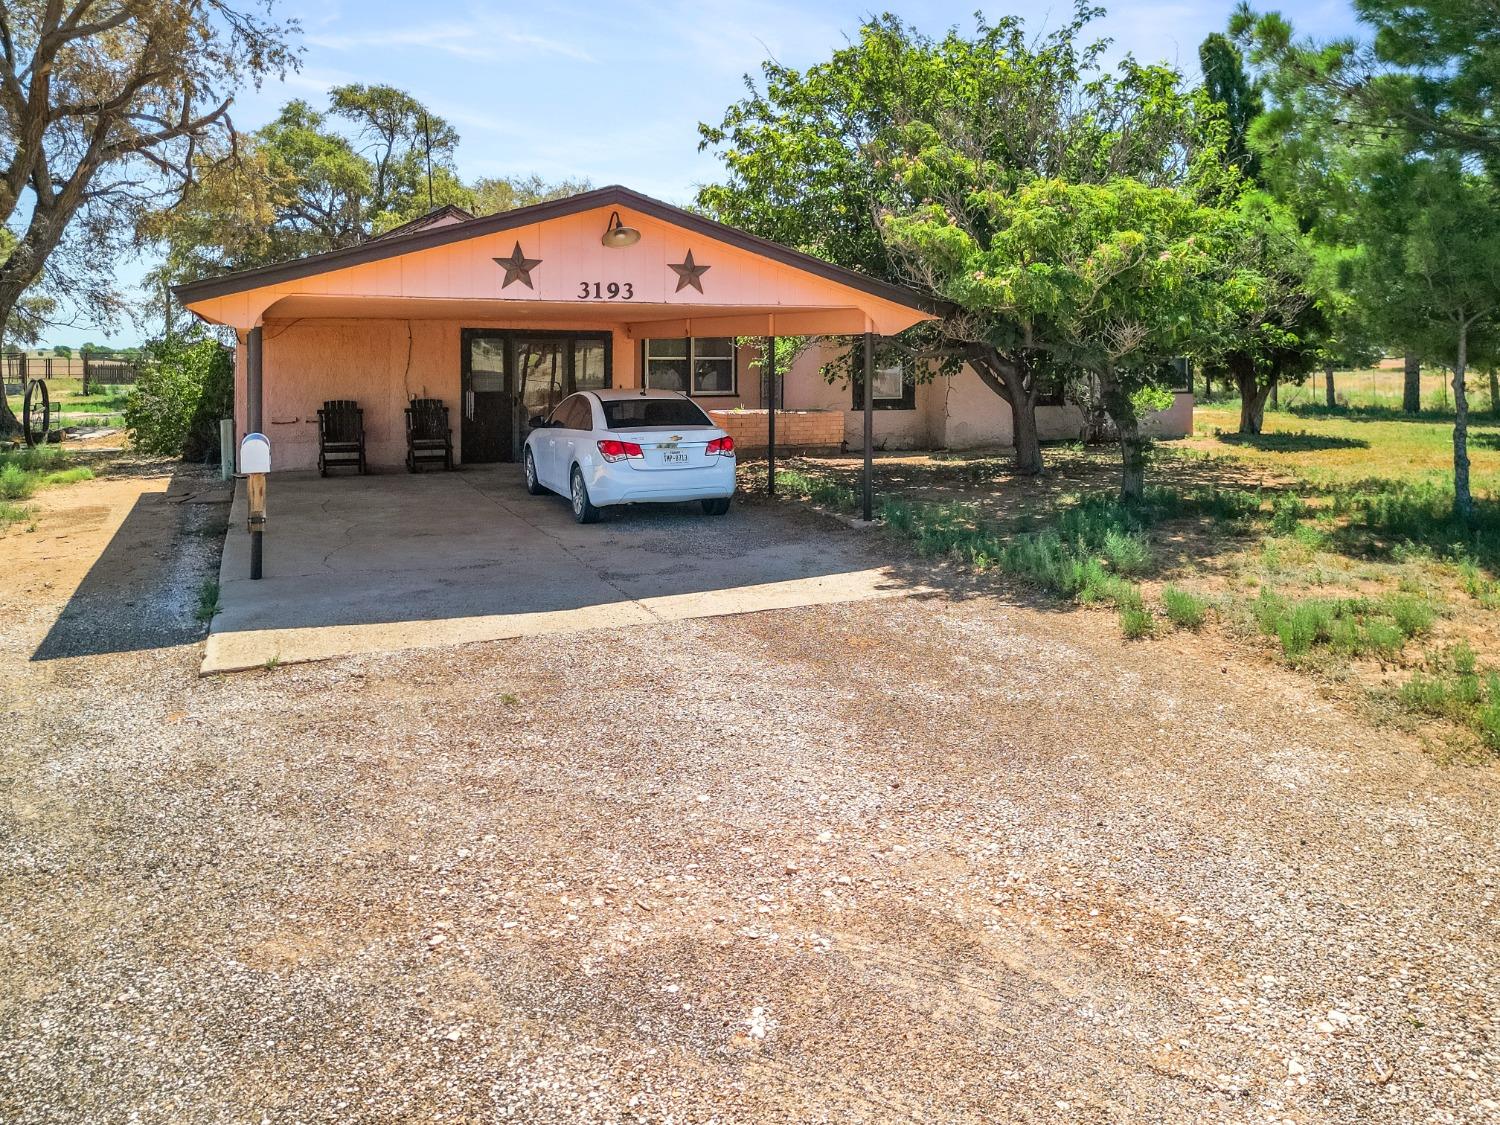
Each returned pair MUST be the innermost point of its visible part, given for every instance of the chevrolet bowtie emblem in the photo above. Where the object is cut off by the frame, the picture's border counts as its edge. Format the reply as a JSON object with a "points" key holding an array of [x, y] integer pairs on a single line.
{"points": [[676, 437]]}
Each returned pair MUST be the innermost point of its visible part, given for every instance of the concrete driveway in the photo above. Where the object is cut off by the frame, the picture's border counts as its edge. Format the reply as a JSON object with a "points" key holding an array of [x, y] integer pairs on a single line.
{"points": [[384, 563]]}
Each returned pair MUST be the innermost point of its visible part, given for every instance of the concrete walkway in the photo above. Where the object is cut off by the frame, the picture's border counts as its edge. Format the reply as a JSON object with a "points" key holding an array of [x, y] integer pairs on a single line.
{"points": [[390, 562]]}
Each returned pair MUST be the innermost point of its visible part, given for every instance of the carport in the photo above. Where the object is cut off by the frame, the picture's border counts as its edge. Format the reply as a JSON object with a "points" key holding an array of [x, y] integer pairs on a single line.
{"points": [[499, 318], [390, 562]]}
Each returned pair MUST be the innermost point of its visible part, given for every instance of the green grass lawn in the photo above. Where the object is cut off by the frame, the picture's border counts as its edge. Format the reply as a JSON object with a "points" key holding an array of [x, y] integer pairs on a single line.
{"points": [[1335, 448], [1326, 544]]}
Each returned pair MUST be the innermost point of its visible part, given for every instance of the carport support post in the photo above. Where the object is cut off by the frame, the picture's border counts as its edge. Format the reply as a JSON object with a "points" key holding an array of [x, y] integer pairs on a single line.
{"points": [[253, 382], [868, 487], [770, 415]]}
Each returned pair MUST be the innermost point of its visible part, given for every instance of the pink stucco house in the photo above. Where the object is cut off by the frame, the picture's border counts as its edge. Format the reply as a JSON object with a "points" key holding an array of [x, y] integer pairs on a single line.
{"points": [[502, 316]]}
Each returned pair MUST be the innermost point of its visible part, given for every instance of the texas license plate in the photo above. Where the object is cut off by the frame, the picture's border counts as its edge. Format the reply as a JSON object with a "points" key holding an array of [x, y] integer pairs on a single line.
{"points": [[674, 458]]}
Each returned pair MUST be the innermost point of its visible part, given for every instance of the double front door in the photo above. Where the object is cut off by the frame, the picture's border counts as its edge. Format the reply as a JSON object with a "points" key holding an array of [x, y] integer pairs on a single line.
{"points": [[510, 377]]}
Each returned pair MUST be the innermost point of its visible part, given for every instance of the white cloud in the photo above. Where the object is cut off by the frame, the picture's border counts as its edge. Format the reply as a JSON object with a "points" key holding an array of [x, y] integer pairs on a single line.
{"points": [[479, 38]]}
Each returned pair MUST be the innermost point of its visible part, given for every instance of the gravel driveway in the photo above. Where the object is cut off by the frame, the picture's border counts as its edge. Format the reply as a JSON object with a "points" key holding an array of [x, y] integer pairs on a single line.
{"points": [[952, 859]]}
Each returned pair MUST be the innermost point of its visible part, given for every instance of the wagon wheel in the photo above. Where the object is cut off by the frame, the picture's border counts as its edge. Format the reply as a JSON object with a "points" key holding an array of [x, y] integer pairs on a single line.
{"points": [[36, 412]]}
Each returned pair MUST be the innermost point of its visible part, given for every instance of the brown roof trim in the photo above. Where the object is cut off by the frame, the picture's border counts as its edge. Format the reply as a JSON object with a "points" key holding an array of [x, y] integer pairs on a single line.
{"points": [[446, 211], [392, 245]]}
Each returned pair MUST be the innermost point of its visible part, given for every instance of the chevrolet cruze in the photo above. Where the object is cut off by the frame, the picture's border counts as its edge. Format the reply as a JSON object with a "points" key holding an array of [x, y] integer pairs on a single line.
{"points": [[602, 448]]}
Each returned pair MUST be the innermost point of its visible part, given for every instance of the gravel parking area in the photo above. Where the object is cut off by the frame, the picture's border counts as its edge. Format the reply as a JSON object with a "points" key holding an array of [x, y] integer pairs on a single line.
{"points": [[947, 859]]}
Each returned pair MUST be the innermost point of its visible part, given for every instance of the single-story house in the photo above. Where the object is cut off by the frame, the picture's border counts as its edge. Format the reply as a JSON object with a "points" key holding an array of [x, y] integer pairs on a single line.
{"points": [[502, 316]]}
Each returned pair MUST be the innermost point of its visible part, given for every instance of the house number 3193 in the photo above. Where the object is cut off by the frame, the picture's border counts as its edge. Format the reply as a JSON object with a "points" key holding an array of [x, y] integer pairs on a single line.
{"points": [[605, 290]]}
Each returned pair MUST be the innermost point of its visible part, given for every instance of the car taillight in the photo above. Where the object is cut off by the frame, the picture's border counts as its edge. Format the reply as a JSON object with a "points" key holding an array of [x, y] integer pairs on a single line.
{"points": [[612, 450], [721, 445]]}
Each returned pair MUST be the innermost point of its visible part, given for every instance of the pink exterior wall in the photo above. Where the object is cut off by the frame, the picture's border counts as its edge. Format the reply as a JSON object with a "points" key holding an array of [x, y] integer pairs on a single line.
{"points": [[381, 364], [953, 413]]}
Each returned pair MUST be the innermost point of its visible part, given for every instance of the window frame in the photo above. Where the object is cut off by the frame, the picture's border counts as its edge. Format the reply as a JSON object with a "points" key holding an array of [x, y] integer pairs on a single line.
{"points": [[733, 358], [908, 399]]}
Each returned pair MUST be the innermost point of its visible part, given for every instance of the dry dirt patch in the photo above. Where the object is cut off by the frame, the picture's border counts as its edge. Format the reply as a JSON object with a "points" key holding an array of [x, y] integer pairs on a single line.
{"points": [[941, 860]]}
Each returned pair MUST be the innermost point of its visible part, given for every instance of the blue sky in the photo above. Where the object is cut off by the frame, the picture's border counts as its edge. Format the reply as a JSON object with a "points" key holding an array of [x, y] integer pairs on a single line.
{"points": [[614, 93]]}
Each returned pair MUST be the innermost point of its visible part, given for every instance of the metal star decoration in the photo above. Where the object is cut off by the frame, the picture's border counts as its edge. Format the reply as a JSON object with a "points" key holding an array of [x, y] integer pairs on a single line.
{"points": [[518, 267], [689, 273]]}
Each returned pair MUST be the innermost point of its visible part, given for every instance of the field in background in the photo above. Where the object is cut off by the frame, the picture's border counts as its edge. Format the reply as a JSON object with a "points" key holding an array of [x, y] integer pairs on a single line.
{"points": [[1325, 544], [102, 406], [1378, 386]]}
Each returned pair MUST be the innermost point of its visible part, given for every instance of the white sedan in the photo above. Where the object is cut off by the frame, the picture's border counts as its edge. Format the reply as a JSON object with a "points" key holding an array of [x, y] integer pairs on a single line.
{"points": [[601, 448]]}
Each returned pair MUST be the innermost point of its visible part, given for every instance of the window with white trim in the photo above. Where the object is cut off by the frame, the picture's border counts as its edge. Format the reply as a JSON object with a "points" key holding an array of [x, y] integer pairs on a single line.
{"points": [[890, 383], [703, 365], [891, 388]]}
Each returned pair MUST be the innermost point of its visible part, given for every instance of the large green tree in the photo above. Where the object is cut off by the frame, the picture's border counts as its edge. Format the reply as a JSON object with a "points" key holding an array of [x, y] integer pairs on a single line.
{"points": [[1276, 326], [1391, 144], [1117, 279], [898, 123], [314, 180], [104, 107], [1432, 258], [310, 180]]}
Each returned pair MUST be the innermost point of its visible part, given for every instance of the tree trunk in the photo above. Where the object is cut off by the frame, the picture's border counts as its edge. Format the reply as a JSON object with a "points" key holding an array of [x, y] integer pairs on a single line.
{"points": [[1328, 386], [1028, 440], [10, 425], [1132, 446], [1494, 392], [1463, 500], [1411, 391], [1275, 394], [1008, 381], [1252, 397]]}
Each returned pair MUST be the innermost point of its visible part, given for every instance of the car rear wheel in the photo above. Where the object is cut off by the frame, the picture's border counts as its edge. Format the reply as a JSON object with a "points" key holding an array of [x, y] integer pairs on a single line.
{"points": [[716, 507], [583, 508], [533, 485]]}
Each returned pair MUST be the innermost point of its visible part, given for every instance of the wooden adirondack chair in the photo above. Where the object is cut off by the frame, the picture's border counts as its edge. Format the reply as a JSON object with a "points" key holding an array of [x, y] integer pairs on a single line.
{"points": [[429, 438], [341, 436]]}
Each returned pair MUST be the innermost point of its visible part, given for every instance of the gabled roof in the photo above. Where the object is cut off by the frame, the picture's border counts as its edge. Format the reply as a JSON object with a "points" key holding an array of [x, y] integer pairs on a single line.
{"points": [[439, 216], [394, 243]]}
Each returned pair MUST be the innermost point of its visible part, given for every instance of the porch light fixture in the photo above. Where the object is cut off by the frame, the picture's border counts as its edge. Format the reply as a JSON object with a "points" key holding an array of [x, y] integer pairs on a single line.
{"points": [[617, 235]]}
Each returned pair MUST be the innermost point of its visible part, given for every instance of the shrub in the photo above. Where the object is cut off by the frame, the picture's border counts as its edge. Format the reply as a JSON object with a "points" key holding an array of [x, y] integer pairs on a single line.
{"points": [[1412, 615], [1136, 622], [1456, 690], [1286, 513], [1127, 552], [1184, 610], [1348, 626], [16, 483], [185, 386]]}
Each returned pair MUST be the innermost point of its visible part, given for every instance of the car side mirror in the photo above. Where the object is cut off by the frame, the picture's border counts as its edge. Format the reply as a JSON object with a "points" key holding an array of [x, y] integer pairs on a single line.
{"points": [[536, 422]]}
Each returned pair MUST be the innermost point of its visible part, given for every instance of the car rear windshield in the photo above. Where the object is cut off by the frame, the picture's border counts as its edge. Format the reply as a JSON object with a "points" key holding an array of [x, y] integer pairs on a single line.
{"points": [[636, 413]]}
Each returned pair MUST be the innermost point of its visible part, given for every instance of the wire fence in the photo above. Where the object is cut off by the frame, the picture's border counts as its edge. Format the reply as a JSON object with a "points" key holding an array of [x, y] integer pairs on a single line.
{"points": [[91, 369]]}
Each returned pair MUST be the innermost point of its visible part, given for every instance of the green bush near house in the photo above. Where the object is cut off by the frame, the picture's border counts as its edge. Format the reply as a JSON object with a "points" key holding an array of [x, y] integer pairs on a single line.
{"points": [[185, 386]]}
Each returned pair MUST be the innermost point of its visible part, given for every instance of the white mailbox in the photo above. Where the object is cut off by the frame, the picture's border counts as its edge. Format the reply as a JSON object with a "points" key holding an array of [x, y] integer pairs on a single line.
{"points": [[255, 454]]}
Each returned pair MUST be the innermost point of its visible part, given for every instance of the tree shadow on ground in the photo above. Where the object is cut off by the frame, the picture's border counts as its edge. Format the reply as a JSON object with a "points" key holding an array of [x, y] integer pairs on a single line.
{"points": [[1300, 442], [1385, 414]]}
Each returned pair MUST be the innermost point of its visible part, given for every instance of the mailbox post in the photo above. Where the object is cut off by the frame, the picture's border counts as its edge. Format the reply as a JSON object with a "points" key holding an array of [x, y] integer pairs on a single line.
{"points": [[255, 463]]}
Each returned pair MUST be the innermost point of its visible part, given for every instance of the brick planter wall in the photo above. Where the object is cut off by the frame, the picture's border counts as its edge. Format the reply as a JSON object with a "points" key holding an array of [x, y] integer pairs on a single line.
{"points": [[806, 431]]}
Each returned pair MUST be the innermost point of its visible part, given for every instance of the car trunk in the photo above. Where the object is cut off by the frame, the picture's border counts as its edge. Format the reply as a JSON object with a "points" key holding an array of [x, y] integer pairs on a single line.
{"points": [[664, 448]]}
